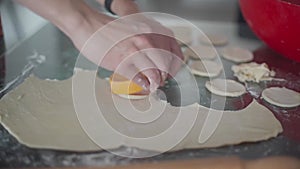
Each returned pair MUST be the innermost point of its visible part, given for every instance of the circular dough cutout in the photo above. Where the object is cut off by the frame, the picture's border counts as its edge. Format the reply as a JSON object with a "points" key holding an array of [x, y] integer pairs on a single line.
{"points": [[214, 39], [237, 54], [225, 87], [206, 68], [204, 52], [281, 97]]}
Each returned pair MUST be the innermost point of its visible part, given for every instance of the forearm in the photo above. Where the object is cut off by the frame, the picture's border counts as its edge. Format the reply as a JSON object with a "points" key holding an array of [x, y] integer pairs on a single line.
{"points": [[123, 7], [67, 15]]}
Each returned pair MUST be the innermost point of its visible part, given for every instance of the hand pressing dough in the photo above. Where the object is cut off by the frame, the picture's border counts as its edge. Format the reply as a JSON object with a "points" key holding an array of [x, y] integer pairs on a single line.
{"points": [[40, 114], [214, 39], [201, 52], [237, 54], [225, 87], [206, 68], [281, 97]]}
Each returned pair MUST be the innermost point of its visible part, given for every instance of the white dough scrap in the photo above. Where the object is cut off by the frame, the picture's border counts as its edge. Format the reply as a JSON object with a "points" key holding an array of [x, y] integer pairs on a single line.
{"points": [[206, 68], [225, 87], [252, 72], [237, 54], [281, 97]]}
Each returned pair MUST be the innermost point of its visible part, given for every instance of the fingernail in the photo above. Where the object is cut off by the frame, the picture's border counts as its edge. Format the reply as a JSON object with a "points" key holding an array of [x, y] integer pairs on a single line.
{"points": [[164, 76], [142, 82]]}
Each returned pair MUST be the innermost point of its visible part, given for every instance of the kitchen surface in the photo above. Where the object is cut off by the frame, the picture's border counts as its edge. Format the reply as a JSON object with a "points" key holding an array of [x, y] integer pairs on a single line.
{"points": [[210, 16]]}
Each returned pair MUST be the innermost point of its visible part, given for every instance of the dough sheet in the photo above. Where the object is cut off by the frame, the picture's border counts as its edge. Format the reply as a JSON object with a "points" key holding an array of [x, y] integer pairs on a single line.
{"points": [[41, 114]]}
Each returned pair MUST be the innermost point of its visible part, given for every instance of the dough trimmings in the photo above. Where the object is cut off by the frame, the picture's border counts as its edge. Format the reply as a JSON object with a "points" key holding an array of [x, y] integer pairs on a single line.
{"points": [[252, 72]]}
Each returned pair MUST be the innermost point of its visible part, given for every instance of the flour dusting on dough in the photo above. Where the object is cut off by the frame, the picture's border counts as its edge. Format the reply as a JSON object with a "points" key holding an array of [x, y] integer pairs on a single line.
{"points": [[50, 121]]}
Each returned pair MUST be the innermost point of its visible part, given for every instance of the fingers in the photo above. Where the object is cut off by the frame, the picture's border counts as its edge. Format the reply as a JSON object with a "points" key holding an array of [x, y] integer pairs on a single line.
{"points": [[148, 68], [162, 60], [142, 81], [136, 62], [175, 48], [164, 76], [132, 73], [158, 53], [169, 60], [177, 58], [144, 59]]}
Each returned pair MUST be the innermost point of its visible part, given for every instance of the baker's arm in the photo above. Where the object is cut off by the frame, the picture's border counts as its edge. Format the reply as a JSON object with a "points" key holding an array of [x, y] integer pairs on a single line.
{"points": [[67, 15], [90, 33]]}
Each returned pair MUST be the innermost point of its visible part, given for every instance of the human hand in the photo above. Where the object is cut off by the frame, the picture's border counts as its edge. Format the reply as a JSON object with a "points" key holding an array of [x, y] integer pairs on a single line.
{"points": [[136, 47], [129, 35]]}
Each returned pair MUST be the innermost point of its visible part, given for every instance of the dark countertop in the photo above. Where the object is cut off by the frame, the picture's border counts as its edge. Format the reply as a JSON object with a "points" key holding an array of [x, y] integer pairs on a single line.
{"points": [[61, 56]]}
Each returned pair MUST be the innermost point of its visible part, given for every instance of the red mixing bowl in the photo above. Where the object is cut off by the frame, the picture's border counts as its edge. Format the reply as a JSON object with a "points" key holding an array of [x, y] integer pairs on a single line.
{"points": [[277, 23]]}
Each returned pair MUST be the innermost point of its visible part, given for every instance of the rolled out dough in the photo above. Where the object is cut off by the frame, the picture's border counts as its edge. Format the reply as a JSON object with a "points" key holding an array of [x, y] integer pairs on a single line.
{"points": [[281, 97], [225, 87], [237, 54], [40, 114], [205, 68], [204, 52]]}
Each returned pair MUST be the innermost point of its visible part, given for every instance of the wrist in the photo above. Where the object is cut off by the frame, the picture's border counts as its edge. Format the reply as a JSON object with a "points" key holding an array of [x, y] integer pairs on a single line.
{"points": [[80, 16], [124, 7]]}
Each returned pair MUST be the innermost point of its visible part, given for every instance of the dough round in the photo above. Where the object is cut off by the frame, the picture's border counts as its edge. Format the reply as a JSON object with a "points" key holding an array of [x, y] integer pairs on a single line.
{"points": [[214, 39], [281, 97], [133, 97], [237, 54], [204, 52], [225, 87], [206, 68]]}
